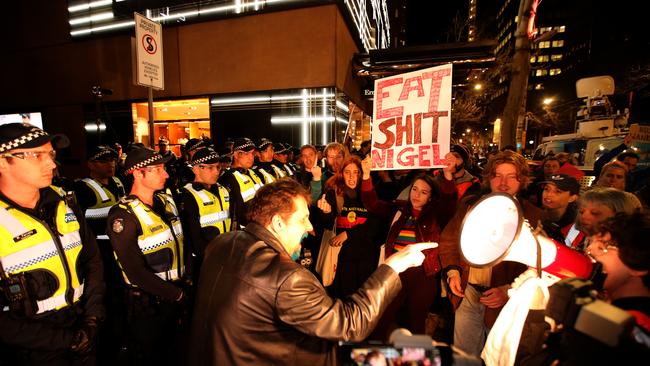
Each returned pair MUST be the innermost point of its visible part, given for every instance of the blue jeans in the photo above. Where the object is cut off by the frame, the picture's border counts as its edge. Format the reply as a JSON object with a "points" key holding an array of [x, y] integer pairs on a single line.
{"points": [[469, 327]]}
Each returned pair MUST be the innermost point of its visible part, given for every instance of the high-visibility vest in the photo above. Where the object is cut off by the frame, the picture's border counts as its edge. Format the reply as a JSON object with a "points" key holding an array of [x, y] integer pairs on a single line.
{"points": [[248, 184], [104, 200], [28, 244], [288, 169], [214, 210], [268, 177], [279, 172], [156, 236]]}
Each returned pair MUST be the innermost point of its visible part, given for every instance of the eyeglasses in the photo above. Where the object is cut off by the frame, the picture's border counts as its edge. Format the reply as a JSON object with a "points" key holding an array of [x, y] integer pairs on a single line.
{"points": [[209, 167], [32, 155], [596, 248]]}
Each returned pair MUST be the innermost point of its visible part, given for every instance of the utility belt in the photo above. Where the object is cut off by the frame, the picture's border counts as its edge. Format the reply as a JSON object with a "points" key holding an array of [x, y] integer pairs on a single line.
{"points": [[142, 302]]}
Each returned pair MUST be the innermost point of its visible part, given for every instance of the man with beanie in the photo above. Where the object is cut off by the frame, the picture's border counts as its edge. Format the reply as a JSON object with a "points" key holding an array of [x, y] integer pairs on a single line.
{"points": [[51, 272]]}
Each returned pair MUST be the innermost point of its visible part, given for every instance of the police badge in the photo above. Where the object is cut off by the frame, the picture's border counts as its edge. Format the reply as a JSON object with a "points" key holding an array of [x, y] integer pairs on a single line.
{"points": [[118, 225]]}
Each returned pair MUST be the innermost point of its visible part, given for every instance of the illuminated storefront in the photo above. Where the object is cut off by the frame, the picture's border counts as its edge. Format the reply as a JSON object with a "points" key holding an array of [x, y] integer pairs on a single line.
{"points": [[175, 120]]}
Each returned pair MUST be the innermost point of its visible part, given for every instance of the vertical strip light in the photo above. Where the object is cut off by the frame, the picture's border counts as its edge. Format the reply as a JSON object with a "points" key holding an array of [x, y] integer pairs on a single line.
{"points": [[324, 133], [305, 119]]}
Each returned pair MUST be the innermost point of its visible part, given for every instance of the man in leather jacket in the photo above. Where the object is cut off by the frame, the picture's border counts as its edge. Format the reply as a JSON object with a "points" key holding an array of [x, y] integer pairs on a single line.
{"points": [[255, 305]]}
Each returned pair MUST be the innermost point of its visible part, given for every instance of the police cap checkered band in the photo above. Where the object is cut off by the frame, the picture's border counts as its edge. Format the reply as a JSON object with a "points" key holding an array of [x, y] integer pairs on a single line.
{"points": [[138, 158], [102, 153], [22, 135], [263, 143], [279, 148], [205, 156], [194, 144], [243, 144]]}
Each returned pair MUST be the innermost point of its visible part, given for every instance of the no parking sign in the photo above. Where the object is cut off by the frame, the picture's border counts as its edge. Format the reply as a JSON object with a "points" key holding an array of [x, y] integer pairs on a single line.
{"points": [[149, 53]]}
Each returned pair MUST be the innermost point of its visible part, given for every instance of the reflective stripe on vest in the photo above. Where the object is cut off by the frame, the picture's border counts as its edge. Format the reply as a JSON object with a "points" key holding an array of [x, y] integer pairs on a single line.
{"points": [[268, 178], [157, 235], [105, 199], [257, 180], [278, 172], [213, 210], [288, 169], [246, 185], [27, 244]]}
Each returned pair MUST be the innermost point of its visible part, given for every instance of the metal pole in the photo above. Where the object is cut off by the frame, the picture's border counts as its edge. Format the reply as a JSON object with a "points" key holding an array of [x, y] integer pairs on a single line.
{"points": [[151, 119]]}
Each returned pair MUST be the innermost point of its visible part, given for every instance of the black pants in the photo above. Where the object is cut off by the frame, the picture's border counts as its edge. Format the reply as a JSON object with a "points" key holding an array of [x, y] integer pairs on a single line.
{"points": [[156, 330], [67, 318]]}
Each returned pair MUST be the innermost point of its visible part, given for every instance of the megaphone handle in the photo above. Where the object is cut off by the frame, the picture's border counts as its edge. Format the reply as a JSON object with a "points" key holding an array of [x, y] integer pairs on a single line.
{"points": [[537, 231]]}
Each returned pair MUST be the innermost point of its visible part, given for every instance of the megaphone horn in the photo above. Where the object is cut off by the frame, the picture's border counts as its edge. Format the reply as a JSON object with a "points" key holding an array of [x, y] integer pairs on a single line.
{"points": [[494, 230]]}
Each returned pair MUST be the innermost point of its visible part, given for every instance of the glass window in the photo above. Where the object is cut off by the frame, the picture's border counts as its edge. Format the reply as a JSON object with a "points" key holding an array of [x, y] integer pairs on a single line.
{"points": [[545, 44], [556, 71], [558, 43], [542, 58], [541, 72], [556, 57]]}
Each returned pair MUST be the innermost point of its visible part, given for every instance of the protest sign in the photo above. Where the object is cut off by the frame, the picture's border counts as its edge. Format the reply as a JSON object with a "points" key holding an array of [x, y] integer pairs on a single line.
{"points": [[412, 115]]}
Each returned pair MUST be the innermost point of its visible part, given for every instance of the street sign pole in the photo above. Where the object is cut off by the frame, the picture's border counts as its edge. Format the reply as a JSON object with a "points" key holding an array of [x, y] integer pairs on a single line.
{"points": [[149, 56]]}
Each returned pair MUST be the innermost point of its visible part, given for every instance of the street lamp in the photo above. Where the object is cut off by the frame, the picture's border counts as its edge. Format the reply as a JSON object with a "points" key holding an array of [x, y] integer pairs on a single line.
{"points": [[548, 101]]}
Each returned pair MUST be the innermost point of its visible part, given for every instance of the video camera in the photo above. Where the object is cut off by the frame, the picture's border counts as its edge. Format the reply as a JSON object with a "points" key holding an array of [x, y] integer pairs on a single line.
{"points": [[573, 304]]}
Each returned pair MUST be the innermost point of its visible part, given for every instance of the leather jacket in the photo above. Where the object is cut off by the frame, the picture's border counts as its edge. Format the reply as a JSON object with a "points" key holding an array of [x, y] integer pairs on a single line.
{"points": [[256, 306]]}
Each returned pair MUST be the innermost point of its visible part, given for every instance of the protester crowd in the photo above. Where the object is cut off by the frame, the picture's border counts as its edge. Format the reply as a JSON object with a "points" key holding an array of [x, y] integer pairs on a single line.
{"points": [[113, 268]]}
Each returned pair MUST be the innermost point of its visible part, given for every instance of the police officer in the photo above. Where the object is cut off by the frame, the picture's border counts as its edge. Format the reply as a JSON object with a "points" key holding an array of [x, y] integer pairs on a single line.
{"points": [[51, 272], [147, 238], [96, 194], [240, 179], [182, 168], [205, 206], [101, 190], [264, 166], [281, 158]]}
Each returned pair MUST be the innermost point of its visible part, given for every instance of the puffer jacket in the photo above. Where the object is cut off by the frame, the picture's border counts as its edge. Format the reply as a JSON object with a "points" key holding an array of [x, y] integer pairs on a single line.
{"points": [[256, 306]]}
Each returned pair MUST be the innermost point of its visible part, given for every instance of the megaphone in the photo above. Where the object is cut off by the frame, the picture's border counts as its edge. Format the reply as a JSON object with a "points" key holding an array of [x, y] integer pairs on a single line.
{"points": [[494, 230]]}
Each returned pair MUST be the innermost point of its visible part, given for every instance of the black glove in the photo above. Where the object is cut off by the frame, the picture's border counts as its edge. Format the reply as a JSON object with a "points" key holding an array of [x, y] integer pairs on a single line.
{"points": [[84, 338]]}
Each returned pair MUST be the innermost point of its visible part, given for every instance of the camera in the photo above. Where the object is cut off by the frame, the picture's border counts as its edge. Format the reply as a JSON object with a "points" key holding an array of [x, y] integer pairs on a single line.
{"points": [[573, 304]]}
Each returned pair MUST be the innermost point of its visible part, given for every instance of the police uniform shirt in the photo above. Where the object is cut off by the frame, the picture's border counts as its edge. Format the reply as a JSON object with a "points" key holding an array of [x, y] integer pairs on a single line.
{"points": [[86, 198], [190, 216], [123, 229], [50, 331]]}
